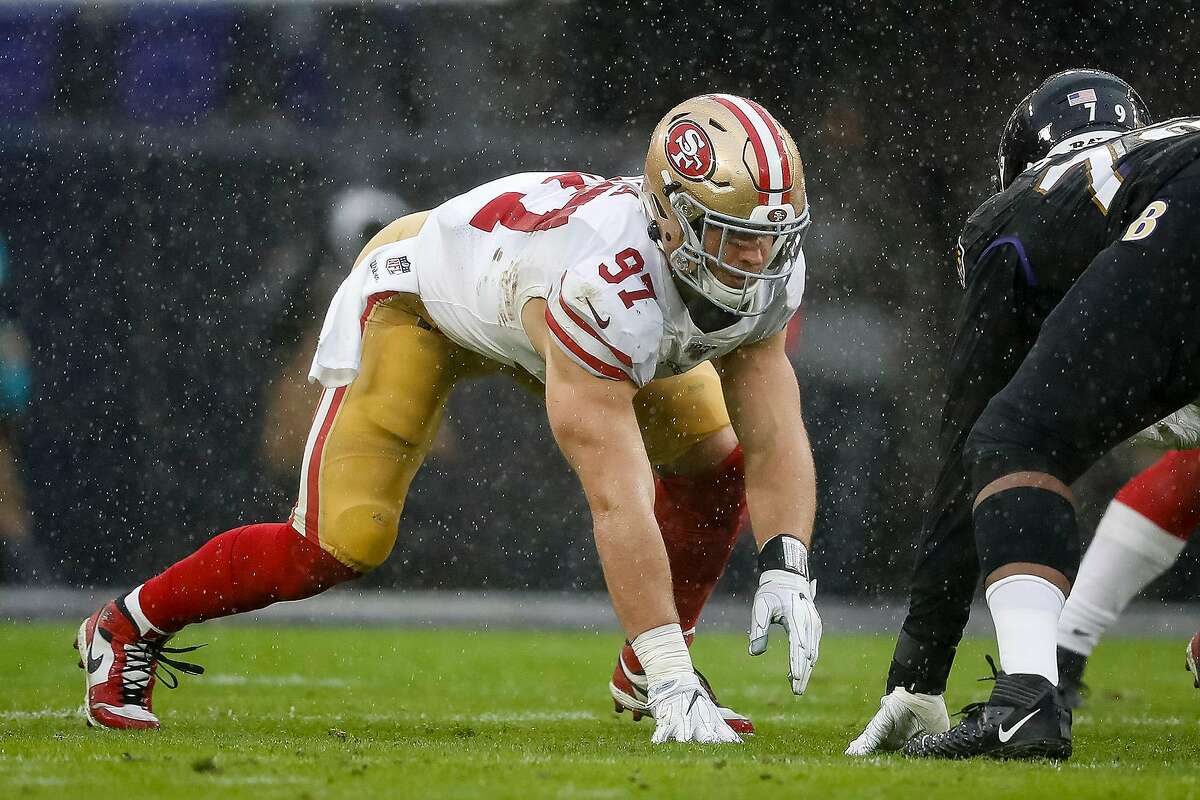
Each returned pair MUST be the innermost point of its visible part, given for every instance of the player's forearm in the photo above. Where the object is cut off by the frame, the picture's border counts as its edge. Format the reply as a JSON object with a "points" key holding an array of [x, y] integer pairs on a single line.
{"points": [[602, 442], [620, 494], [636, 569], [781, 488], [764, 400], [764, 404]]}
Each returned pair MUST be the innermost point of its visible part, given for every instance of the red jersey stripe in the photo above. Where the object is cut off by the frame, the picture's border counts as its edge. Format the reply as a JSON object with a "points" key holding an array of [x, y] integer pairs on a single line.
{"points": [[607, 370], [371, 302], [582, 323], [313, 509]]}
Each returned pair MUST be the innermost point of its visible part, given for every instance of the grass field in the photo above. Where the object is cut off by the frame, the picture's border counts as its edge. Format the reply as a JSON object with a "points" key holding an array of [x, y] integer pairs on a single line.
{"points": [[323, 713]]}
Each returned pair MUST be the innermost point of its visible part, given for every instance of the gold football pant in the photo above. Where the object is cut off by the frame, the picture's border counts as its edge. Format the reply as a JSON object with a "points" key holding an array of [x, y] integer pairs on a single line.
{"points": [[368, 439]]}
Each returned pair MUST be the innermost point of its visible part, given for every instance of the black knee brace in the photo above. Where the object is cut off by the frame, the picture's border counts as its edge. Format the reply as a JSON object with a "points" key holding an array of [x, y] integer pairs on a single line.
{"points": [[1030, 525]]}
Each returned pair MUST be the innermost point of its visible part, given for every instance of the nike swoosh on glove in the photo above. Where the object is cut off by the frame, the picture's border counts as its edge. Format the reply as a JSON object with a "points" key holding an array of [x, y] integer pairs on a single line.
{"points": [[1177, 431], [683, 712], [901, 716], [786, 598]]}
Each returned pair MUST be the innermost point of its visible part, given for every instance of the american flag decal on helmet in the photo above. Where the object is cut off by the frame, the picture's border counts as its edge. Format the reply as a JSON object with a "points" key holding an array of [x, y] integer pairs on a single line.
{"points": [[1081, 97]]}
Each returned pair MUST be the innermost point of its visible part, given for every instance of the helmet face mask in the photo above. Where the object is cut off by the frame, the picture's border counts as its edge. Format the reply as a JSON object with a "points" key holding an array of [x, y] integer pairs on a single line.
{"points": [[701, 270], [721, 171]]}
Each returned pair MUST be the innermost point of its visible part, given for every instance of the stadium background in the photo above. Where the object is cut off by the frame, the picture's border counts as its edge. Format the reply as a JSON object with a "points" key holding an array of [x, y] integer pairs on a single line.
{"points": [[168, 178]]}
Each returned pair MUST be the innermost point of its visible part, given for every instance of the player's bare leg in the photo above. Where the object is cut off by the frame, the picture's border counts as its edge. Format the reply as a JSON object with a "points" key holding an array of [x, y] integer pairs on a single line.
{"points": [[699, 502]]}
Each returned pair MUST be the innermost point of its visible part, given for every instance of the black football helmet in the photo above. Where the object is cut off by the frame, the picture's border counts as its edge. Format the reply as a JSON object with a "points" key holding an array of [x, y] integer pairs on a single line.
{"points": [[1067, 106]]}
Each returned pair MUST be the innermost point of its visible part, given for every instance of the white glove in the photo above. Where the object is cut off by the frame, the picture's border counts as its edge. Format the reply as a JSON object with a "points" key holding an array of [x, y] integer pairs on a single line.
{"points": [[1177, 431], [901, 716], [683, 712], [785, 596]]}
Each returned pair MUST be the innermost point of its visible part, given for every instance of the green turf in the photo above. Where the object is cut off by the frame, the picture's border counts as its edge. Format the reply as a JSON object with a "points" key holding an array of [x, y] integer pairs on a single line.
{"points": [[320, 713]]}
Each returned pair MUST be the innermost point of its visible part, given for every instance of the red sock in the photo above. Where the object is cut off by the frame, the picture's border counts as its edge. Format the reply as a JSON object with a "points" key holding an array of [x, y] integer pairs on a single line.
{"points": [[1168, 492], [240, 570], [700, 517]]}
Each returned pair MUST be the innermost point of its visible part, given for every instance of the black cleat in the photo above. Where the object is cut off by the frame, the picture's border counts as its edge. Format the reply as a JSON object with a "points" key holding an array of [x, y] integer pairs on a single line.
{"points": [[1024, 718], [1070, 677]]}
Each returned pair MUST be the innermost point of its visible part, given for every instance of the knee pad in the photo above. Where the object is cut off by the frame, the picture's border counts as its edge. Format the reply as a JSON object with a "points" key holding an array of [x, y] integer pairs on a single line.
{"points": [[361, 536], [677, 413], [1026, 524]]}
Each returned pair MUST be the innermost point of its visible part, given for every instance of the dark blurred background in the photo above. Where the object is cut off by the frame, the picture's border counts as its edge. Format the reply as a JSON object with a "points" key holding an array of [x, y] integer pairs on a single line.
{"points": [[173, 220]]}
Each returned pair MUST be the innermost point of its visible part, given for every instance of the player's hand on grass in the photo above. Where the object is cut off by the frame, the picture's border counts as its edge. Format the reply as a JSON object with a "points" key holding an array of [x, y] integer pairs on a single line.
{"points": [[901, 716], [683, 712], [785, 597]]}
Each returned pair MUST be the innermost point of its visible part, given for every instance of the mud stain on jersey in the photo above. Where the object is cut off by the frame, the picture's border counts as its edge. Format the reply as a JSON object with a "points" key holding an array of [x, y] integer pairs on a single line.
{"points": [[587, 292], [508, 291]]}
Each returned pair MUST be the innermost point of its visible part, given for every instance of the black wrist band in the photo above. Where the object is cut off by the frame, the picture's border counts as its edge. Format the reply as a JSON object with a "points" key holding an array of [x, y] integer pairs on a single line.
{"points": [[784, 552]]}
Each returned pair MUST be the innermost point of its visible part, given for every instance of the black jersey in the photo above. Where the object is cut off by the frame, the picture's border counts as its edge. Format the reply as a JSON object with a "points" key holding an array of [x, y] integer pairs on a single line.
{"points": [[1058, 214], [1023, 250]]}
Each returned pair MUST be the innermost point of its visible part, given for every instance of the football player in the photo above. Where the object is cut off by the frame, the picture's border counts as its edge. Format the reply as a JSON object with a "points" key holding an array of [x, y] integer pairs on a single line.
{"points": [[1077, 332], [1140, 537], [652, 311]]}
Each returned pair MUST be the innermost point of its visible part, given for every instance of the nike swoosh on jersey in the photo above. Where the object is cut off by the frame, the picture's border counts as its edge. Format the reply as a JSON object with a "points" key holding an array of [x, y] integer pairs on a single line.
{"points": [[1005, 735], [596, 315]]}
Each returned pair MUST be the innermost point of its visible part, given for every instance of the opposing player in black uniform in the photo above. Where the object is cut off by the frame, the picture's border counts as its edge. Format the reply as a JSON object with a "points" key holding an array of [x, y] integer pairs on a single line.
{"points": [[1079, 328]]}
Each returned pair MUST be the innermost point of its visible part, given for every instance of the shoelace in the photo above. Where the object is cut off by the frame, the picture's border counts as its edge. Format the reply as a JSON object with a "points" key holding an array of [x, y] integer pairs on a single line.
{"points": [[144, 659], [973, 710]]}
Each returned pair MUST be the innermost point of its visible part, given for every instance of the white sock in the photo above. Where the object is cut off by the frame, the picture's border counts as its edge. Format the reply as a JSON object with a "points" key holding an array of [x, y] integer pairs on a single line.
{"points": [[133, 602], [1129, 551], [1025, 610]]}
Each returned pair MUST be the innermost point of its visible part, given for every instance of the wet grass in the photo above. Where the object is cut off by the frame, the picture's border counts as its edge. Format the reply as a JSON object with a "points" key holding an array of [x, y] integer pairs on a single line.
{"points": [[323, 713]]}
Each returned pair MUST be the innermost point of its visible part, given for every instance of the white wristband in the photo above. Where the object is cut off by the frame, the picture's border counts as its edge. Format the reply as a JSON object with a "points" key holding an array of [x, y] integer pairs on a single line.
{"points": [[663, 653]]}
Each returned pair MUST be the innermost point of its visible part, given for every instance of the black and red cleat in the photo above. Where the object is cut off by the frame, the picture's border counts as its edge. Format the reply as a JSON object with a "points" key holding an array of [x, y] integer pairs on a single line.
{"points": [[121, 666], [1193, 656], [629, 692]]}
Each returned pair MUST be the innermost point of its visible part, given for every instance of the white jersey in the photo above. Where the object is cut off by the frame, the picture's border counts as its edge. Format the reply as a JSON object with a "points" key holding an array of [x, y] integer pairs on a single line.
{"points": [[580, 242]]}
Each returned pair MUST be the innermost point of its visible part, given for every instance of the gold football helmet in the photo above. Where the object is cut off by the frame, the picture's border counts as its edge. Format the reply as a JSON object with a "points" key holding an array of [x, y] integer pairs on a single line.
{"points": [[720, 164]]}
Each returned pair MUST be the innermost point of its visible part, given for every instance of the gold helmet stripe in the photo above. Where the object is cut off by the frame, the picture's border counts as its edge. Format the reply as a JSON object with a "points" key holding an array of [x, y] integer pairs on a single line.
{"points": [[774, 171]]}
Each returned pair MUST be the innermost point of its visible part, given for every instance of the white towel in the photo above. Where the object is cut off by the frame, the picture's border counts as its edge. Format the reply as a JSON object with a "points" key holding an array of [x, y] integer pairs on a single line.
{"points": [[387, 269]]}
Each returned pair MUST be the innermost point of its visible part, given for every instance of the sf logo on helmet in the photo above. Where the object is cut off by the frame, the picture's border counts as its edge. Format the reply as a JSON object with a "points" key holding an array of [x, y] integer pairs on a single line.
{"points": [[689, 149]]}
